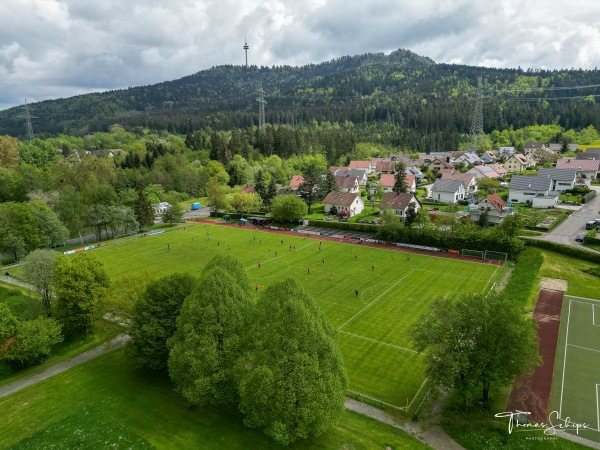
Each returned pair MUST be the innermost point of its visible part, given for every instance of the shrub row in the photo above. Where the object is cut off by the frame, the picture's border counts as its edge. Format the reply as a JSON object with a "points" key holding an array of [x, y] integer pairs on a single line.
{"points": [[564, 249], [587, 197], [234, 215], [590, 237], [472, 239], [362, 227]]}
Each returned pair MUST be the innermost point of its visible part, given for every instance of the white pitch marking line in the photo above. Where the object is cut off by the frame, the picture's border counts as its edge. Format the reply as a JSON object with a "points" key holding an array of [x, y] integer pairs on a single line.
{"points": [[381, 295], [411, 402], [562, 387], [584, 348], [597, 407], [379, 342], [402, 408]]}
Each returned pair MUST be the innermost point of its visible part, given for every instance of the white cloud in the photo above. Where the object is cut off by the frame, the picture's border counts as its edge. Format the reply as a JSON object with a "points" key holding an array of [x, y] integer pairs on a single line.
{"points": [[57, 48]]}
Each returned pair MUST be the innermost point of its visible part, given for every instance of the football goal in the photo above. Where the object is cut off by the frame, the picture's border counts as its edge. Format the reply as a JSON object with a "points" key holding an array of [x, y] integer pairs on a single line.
{"points": [[473, 253], [495, 256]]}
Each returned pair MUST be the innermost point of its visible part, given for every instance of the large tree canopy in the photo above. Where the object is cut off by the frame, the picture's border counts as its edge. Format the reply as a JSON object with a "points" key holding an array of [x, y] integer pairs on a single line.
{"points": [[292, 383], [208, 341], [38, 269], [477, 342], [154, 318]]}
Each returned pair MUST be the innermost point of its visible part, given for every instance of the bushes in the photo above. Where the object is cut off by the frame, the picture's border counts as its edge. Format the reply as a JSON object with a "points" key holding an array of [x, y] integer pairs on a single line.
{"points": [[364, 227], [523, 276], [587, 197], [564, 249]]}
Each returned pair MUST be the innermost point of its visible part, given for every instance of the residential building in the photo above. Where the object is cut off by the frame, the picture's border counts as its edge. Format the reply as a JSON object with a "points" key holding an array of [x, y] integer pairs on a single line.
{"points": [[347, 183], [561, 179], [361, 165], [506, 152], [448, 191], [297, 180], [494, 206], [468, 179], [516, 163], [484, 172], [344, 201], [526, 188], [399, 203], [584, 168], [360, 174]]}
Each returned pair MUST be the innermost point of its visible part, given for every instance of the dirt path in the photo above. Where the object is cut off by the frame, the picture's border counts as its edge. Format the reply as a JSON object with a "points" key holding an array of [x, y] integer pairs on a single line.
{"points": [[117, 342], [435, 436]]}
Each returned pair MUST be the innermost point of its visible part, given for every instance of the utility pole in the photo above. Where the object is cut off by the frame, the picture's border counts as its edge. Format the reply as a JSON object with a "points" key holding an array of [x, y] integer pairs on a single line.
{"points": [[27, 116], [476, 140]]}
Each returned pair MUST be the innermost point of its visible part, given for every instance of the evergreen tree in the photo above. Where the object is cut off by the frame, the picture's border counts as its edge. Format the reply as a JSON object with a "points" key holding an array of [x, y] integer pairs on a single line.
{"points": [[400, 178], [312, 189], [143, 210]]}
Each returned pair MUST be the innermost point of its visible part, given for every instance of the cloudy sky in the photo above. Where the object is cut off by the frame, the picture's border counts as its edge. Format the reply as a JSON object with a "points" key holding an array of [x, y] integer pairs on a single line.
{"points": [[60, 48]]}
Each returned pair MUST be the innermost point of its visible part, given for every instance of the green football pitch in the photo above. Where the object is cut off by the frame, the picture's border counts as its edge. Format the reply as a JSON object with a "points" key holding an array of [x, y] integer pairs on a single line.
{"points": [[394, 291], [576, 380]]}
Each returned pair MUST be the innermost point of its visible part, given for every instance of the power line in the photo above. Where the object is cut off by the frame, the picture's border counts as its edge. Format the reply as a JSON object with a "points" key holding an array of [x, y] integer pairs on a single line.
{"points": [[27, 116]]}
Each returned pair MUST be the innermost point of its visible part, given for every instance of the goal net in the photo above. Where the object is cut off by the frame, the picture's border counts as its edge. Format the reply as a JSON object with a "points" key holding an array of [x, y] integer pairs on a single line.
{"points": [[473, 253], [495, 256]]}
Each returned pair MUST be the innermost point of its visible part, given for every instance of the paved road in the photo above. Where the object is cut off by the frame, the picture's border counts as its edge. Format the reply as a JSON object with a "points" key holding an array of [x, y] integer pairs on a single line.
{"points": [[575, 224]]}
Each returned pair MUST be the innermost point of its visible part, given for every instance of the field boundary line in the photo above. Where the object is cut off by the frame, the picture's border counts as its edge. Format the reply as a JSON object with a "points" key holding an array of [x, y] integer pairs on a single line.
{"points": [[487, 280], [381, 295], [401, 408], [562, 385], [594, 316], [380, 342], [582, 298], [414, 398], [584, 348], [597, 408]]}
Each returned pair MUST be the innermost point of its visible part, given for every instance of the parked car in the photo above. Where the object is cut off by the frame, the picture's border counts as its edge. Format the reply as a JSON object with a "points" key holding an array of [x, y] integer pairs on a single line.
{"points": [[591, 224], [579, 237]]}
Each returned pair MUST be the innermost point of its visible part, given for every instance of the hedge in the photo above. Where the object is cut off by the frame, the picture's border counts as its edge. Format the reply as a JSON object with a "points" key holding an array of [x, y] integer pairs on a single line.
{"points": [[590, 237], [587, 197], [576, 252], [363, 227], [234, 215]]}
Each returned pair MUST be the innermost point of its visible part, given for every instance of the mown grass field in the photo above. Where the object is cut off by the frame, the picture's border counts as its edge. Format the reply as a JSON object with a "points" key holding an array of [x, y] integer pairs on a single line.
{"points": [[107, 403], [393, 291]]}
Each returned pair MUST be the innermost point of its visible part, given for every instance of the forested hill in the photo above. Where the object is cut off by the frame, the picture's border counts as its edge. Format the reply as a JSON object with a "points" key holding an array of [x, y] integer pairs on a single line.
{"points": [[407, 92]]}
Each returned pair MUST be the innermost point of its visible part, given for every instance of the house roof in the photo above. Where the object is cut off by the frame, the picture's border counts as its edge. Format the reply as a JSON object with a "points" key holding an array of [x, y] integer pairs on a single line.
{"points": [[486, 171], [397, 201], [297, 180], [447, 185], [410, 180], [471, 158], [385, 166], [498, 168], [353, 172], [346, 181], [496, 201], [360, 165], [340, 198], [248, 189], [466, 178], [334, 169], [533, 182], [520, 157], [588, 155], [581, 165], [555, 147], [534, 144], [387, 179], [557, 174], [443, 163]]}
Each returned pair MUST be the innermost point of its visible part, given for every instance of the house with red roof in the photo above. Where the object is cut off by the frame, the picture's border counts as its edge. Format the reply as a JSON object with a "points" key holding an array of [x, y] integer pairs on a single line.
{"points": [[468, 179], [361, 165], [587, 169], [494, 206], [297, 180]]}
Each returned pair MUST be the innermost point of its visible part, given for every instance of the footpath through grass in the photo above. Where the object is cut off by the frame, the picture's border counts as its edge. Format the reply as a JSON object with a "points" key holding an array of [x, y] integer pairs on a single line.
{"points": [[371, 295], [106, 403]]}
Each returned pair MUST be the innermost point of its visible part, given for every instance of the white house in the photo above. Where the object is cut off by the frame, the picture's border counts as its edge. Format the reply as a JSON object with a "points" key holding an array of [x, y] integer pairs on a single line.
{"points": [[516, 163], [448, 191], [494, 206], [483, 172], [562, 179], [468, 179], [344, 201], [358, 173], [488, 157], [399, 203], [160, 208], [587, 169], [347, 183], [525, 188], [362, 165], [469, 159], [506, 152]]}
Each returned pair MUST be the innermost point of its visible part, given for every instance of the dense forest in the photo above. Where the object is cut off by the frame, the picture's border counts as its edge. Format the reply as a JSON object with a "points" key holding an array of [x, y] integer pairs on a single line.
{"points": [[401, 99]]}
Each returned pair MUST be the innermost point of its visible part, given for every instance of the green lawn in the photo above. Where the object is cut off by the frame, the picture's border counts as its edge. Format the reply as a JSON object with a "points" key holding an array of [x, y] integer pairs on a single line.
{"points": [[373, 326], [106, 403], [576, 380]]}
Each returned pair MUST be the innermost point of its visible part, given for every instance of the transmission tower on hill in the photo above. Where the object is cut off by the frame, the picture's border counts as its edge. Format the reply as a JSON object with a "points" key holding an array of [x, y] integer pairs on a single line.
{"points": [[27, 116], [261, 107], [246, 47], [476, 138]]}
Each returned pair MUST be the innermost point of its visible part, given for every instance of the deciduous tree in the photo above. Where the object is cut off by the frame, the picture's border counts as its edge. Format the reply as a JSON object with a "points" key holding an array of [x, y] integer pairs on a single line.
{"points": [[285, 208], [292, 383], [80, 284], [209, 337], [38, 269], [154, 318], [477, 343]]}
